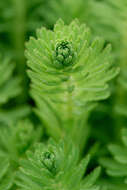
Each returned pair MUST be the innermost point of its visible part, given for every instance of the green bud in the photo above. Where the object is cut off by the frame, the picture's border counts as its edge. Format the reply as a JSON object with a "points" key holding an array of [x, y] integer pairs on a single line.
{"points": [[68, 59], [60, 58], [64, 53], [48, 160]]}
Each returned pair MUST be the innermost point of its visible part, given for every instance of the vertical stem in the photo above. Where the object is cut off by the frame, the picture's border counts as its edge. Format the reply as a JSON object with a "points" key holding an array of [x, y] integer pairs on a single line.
{"points": [[19, 30], [18, 33], [69, 115]]}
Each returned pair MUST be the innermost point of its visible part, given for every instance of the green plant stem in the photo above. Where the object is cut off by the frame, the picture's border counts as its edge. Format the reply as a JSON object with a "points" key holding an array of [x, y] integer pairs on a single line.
{"points": [[19, 33], [19, 30]]}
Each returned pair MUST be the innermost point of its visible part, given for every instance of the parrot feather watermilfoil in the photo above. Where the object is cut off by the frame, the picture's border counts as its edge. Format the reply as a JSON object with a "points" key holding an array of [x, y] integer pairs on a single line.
{"points": [[9, 85], [69, 72], [15, 140], [56, 166], [117, 166], [6, 178]]}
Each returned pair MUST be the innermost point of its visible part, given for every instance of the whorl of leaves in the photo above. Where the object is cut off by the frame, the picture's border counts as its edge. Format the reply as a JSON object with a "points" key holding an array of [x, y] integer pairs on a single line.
{"points": [[56, 166], [68, 71], [15, 140]]}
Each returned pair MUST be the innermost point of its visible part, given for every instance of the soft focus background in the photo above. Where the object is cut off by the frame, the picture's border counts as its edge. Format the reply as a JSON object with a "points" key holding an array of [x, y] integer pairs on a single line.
{"points": [[19, 20]]}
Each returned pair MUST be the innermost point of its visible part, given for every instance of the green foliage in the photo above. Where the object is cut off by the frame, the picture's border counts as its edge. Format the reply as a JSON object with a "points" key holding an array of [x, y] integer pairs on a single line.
{"points": [[18, 20], [70, 69], [10, 89], [117, 166], [9, 85], [25, 15], [14, 141], [111, 26], [66, 10], [54, 166], [113, 184], [116, 34], [6, 180], [68, 72], [14, 114]]}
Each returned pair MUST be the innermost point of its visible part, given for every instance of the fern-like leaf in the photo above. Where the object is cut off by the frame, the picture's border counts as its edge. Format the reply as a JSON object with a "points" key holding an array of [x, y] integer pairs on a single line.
{"points": [[10, 89], [117, 166], [6, 180], [14, 141], [68, 72], [9, 86], [55, 166]]}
